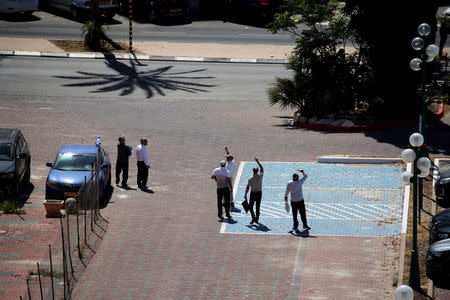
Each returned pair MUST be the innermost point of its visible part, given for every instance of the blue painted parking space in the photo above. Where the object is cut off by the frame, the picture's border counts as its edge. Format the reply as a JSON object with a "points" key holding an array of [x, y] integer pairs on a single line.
{"points": [[341, 200]]}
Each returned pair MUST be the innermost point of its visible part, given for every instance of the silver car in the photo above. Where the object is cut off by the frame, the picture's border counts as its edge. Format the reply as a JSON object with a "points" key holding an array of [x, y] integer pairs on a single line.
{"points": [[79, 8]]}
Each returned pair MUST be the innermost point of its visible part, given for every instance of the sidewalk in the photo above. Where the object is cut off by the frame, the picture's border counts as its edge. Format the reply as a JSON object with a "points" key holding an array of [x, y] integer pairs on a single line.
{"points": [[161, 51]]}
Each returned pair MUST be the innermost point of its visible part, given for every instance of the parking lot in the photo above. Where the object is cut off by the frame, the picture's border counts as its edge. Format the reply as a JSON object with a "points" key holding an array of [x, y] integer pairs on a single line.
{"points": [[341, 200]]}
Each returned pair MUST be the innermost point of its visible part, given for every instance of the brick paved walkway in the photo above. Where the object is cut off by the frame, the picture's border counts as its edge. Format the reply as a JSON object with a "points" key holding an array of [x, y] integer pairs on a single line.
{"points": [[167, 245]]}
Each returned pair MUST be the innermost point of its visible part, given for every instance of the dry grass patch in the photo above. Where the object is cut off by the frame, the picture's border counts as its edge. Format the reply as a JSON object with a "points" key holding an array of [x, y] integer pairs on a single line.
{"points": [[78, 46]]}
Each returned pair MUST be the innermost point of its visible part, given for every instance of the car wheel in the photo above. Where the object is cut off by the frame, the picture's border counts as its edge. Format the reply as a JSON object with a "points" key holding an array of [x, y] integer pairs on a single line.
{"points": [[15, 190], [108, 183], [27, 176]]}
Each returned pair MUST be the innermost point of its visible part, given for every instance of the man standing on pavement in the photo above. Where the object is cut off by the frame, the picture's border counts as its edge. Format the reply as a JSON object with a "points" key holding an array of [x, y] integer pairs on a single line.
{"points": [[123, 153], [294, 187], [255, 183], [142, 164], [224, 188], [231, 167]]}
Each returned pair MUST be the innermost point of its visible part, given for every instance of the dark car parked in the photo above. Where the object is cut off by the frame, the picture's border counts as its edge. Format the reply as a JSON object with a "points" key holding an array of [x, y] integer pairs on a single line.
{"points": [[442, 188], [157, 10], [440, 226], [437, 262], [263, 9], [15, 160]]}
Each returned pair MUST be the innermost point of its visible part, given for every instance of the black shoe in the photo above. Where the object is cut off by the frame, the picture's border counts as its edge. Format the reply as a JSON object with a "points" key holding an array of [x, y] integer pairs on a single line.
{"points": [[229, 217], [253, 221], [306, 227], [220, 219]]}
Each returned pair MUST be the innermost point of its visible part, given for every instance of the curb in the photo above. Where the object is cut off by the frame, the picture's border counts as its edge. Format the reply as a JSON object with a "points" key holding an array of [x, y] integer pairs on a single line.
{"points": [[342, 159], [128, 56], [356, 128]]}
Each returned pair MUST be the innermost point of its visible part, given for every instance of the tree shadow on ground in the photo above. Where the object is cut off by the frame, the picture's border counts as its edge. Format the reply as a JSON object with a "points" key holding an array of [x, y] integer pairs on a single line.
{"points": [[438, 134], [437, 140], [126, 78]]}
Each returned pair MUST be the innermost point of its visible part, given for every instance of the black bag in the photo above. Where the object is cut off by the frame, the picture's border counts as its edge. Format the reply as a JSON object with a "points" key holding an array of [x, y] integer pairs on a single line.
{"points": [[245, 205]]}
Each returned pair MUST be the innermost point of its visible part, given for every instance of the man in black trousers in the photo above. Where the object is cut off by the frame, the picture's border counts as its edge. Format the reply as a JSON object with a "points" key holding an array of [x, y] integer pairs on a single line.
{"points": [[123, 153], [143, 164]]}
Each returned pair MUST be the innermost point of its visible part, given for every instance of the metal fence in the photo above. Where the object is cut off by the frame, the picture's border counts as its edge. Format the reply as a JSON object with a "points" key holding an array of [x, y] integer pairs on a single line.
{"points": [[82, 227]]}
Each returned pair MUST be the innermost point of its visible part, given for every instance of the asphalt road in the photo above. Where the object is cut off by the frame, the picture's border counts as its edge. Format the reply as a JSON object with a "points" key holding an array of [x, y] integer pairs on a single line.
{"points": [[142, 81], [60, 26]]}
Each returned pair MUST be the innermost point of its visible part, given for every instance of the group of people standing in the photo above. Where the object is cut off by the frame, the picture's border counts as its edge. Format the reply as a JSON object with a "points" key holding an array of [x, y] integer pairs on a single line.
{"points": [[223, 176], [122, 164]]}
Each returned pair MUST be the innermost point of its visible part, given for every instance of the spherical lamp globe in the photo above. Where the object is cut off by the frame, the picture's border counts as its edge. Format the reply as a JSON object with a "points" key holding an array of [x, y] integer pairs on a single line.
{"points": [[408, 155], [424, 29], [416, 139], [415, 64], [405, 178], [417, 43], [432, 50], [404, 292], [424, 163]]}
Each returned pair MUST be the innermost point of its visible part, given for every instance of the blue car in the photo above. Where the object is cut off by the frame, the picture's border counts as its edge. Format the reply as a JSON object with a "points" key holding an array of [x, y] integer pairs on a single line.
{"points": [[72, 165]]}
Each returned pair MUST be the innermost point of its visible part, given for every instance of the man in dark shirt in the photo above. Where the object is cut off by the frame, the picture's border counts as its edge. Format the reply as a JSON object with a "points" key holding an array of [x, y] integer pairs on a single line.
{"points": [[123, 153]]}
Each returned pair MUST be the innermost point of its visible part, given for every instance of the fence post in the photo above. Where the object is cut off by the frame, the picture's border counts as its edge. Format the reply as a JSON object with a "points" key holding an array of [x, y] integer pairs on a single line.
{"points": [[85, 215], [64, 257], [78, 230], [68, 240], [40, 283], [51, 271], [28, 289]]}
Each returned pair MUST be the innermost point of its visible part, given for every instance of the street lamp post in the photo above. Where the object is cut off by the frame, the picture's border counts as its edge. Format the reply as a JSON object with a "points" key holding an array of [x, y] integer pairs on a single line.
{"points": [[421, 169], [427, 55]]}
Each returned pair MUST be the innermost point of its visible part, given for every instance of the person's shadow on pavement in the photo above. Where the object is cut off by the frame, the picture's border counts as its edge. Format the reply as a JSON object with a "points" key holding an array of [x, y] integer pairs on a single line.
{"points": [[230, 221], [259, 227], [235, 209], [303, 234], [127, 187], [147, 190]]}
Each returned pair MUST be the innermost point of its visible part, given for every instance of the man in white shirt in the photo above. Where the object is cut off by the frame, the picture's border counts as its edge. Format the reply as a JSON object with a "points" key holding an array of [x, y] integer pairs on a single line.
{"points": [[231, 167], [224, 188], [294, 187], [142, 164]]}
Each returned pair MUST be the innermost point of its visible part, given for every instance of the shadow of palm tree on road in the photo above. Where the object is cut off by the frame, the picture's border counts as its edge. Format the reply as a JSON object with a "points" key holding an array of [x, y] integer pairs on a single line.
{"points": [[128, 78]]}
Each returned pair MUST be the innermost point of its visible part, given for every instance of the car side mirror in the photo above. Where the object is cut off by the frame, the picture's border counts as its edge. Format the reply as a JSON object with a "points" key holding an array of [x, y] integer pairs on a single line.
{"points": [[22, 155], [49, 164]]}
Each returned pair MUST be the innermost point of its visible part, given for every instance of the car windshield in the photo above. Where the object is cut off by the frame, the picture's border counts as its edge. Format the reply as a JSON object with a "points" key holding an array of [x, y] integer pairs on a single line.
{"points": [[75, 161], [5, 151]]}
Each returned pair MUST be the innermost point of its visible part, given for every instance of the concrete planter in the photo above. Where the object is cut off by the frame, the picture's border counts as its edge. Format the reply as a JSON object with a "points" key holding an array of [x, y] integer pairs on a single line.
{"points": [[53, 208]]}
